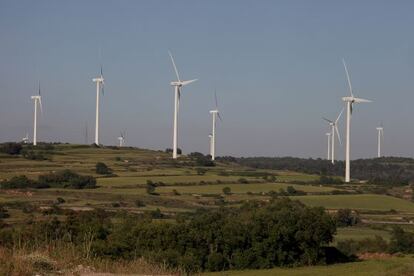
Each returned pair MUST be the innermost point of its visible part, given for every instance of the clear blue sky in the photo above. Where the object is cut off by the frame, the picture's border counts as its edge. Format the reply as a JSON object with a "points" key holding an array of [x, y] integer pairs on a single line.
{"points": [[276, 66]]}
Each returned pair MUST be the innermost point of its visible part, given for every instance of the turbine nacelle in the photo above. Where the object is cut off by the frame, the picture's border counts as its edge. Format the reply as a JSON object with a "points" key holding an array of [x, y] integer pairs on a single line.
{"points": [[182, 83], [214, 111], [99, 79]]}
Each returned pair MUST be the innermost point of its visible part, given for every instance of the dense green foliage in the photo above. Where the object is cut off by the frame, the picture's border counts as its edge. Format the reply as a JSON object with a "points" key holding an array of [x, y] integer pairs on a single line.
{"points": [[392, 171], [345, 217], [11, 148], [67, 179], [102, 168], [256, 235], [64, 179]]}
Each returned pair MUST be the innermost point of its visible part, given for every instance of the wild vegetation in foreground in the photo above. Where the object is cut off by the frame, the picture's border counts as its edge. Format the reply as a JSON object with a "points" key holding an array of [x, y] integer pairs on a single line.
{"points": [[137, 202]]}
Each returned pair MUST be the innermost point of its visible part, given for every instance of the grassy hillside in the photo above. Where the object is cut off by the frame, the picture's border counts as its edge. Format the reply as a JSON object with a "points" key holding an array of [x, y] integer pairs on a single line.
{"points": [[183, 186]]}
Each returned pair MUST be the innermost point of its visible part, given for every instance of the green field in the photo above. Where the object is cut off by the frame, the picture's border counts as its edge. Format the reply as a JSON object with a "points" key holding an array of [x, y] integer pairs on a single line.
{"points": [[359, 202], [359, 233], [241, 188], [388, 267]]}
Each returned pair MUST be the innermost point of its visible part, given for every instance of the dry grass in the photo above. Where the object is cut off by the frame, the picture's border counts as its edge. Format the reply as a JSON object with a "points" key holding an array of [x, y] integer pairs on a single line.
{"points": [[66, 260]]}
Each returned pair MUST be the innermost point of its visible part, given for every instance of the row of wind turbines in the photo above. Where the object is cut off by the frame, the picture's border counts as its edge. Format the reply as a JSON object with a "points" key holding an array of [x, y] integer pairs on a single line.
{"points": [[334, 132], [177, 84]]}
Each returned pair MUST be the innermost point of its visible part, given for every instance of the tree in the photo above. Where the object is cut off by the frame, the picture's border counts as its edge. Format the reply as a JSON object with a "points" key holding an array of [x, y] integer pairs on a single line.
{"points": [[345, 217], [11, 148], [102, 168], [227, 191], [150, 188]]}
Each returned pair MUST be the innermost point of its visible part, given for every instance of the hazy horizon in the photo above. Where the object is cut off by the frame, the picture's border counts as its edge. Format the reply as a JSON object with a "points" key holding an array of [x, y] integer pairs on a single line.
{"points": [[276, 67]]}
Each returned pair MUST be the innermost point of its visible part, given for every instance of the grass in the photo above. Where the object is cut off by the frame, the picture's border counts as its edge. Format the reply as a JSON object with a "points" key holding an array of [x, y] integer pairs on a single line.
{"points": [[240, 188], [359, 202], [360, 233], [391, 267]]}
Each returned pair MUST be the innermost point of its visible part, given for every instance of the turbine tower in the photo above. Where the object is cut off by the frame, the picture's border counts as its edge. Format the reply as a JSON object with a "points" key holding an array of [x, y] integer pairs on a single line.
{"points": [[99, 88], [380, 130], [328, 134], [334, 129], [37, 100], [121, 139], [210, 137], [350, 101], [215, 113], [178, 84]]}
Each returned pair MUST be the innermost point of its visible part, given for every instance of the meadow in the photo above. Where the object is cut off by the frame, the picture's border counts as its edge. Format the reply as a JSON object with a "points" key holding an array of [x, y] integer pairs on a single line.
{"points": [[182, 187]]}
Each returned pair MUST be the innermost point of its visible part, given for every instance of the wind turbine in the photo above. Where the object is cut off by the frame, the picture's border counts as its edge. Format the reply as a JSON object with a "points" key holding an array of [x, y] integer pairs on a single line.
{"points": [[25, 139], [350, 101], [177, 95], [99, 88], [380, 130], [334, 129], [328, 134], [215, 113], [37, 99], [121, 139]]}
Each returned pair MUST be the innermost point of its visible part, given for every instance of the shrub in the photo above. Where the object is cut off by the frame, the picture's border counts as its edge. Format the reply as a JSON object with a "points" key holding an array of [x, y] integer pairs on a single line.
{"points": [[102, 168], [345, 217], [60, 200], [227, 191], [139, 203], [17, 182], [401, 241], [11, 148], [67, 179], [243, 181], [150, 188], [201, 171]]}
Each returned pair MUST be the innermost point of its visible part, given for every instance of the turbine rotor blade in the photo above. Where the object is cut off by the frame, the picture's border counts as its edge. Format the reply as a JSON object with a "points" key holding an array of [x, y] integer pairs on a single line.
{"points": [[40, 104], [218, 115], [329, 121], [215, 98], [337, 133], [183, 83], [175, 67], [339, 116], [359, 100], [348, 78]]}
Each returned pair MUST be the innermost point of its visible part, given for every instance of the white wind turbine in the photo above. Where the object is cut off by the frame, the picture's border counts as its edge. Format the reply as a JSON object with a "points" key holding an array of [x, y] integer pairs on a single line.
{"points": [[380, 130], [177, 95], [334, 130], [37, 99], [328, 134], [99, 88], [210, 137], [215, 113], [350, 101], [121, 139], [25, 139]]}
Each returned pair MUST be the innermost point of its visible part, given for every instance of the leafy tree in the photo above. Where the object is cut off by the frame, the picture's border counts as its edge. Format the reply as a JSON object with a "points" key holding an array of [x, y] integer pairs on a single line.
{"points": [[102, 168], [11, 148], [345, 217], [401, 241], [227, 191]]}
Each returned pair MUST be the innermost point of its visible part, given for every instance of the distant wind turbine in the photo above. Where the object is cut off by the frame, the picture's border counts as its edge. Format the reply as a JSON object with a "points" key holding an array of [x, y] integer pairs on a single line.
{"points": [[350, 101], [121, 139], [25, 139], [99, 88], [334, 130], [380, 130], [178, 84], [215, 113], [37, 100], [329, 145]]}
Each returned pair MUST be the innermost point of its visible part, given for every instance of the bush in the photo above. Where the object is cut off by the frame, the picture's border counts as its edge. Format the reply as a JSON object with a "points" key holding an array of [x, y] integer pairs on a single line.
{"points": [[243, 181], [401, 241], [102, 168], [11, 148], [67, 179], [18, 182], [150, 188], [60, 200], [201, 171], [345, 217], [370, 245], [227, 191], [139, 203]]}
